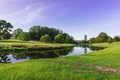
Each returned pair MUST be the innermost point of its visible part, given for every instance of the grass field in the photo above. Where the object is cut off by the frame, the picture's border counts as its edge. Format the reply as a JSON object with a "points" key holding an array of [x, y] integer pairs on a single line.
{"points": [[99, 65]]}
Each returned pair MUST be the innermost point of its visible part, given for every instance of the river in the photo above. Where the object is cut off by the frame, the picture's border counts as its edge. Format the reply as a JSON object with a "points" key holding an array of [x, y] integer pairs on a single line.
{"points": [[14, 57]]}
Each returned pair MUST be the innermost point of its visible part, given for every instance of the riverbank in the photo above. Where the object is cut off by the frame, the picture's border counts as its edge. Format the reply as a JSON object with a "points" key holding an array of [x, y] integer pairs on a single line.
{"points": [[98, 65], [16, 45]]}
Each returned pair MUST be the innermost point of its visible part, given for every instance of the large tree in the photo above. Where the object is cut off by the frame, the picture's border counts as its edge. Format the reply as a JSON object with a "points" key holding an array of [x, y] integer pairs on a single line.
{"points": [[5, 29], [102, 37], [38, 31]]}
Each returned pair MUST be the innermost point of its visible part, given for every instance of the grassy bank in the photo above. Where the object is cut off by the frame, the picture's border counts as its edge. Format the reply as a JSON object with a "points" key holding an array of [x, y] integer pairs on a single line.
{"points": [[99, 65], [12, 45]]}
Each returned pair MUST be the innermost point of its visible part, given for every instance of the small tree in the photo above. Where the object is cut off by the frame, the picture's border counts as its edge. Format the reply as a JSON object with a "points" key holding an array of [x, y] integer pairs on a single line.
{"points": [[109, 40], [69, 39], [24, 36], [17, 32], [59, 38], [45, 38], [116, 38]]}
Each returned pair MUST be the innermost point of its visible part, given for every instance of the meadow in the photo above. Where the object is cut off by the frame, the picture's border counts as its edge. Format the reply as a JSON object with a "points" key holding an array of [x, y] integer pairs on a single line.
{"points": [[98, 65]]}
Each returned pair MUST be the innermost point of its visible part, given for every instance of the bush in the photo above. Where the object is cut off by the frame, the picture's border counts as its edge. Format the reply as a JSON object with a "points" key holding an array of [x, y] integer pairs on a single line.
{"points": [[24, 36], [59, 38], [109, 40], [46, 38]]}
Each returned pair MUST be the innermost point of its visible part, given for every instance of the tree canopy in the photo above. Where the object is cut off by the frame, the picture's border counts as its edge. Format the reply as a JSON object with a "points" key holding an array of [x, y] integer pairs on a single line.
{"points": [[5, 29], [37, 31]]}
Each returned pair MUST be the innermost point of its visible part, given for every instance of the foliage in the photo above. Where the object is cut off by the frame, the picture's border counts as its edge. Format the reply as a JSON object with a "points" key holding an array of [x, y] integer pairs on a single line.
{"points": [[59, 38], [92, 40], [116, 38], [24, 36], [109, 40], [45, 38], [5, 29], [102, 37], [38, 31], [17, 32]]}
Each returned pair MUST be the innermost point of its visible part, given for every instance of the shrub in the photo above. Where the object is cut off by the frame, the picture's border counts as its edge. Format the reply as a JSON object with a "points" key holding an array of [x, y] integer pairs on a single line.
{"points": [[59, 38], [45, 38], [109, 40], [24, 36]]}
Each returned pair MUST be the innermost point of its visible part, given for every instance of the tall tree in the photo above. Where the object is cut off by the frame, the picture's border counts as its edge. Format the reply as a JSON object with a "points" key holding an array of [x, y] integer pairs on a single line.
{"points": [[38, 31], [5, 29]]}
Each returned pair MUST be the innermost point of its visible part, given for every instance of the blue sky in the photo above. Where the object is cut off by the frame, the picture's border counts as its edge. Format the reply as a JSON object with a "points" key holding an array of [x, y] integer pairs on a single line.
{"points": [[76, 17]]}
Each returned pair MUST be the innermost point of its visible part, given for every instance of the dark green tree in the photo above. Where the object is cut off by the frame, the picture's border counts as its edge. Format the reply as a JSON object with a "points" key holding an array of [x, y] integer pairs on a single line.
{"points": [[5, 29], [116, 38], [17, 32], [103, 36], [92, 40], [24, 36], [46, 38], [37, 31]]}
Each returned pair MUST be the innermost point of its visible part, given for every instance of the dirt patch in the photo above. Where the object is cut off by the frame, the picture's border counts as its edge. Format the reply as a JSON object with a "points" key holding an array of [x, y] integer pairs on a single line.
{"points": [[102, 68]]}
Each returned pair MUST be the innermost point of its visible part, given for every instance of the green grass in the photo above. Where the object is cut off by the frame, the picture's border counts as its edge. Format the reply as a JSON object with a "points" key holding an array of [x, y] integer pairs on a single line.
{"points": [[67, 68], [30, 45]]}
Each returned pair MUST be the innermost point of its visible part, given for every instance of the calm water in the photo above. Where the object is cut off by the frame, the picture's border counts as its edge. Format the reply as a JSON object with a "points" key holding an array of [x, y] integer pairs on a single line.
{"points": [[14, 57]]}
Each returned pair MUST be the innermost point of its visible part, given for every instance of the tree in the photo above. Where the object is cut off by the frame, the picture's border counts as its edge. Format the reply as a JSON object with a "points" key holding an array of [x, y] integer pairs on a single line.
{"points": [[17, 32], [24, 36], [103, 36], [45, 38], [92, 40], [116, 38], [37, 31], [59, 38], [109, 40], [5, 29], [98, 40]]}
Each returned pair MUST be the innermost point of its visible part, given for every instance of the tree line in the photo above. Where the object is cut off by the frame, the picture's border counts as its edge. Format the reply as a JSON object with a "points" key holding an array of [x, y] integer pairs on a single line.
{"points": [[36, 33], [104, 37]]}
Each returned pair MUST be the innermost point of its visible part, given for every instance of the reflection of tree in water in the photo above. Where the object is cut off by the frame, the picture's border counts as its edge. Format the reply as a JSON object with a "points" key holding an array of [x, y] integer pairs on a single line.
{"points": [[7, 57], [19, 55], [63, 52], [4, 57], [48, 54], [96, 48], [43, 54]]}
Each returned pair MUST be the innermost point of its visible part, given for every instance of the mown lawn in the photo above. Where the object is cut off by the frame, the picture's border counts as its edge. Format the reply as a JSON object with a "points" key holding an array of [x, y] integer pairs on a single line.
{"points": [[84, 67]]}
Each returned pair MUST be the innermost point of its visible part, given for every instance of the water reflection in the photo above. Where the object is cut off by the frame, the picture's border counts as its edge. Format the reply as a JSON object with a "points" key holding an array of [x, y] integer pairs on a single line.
{"points": [[4, 58], [12, 57]]}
